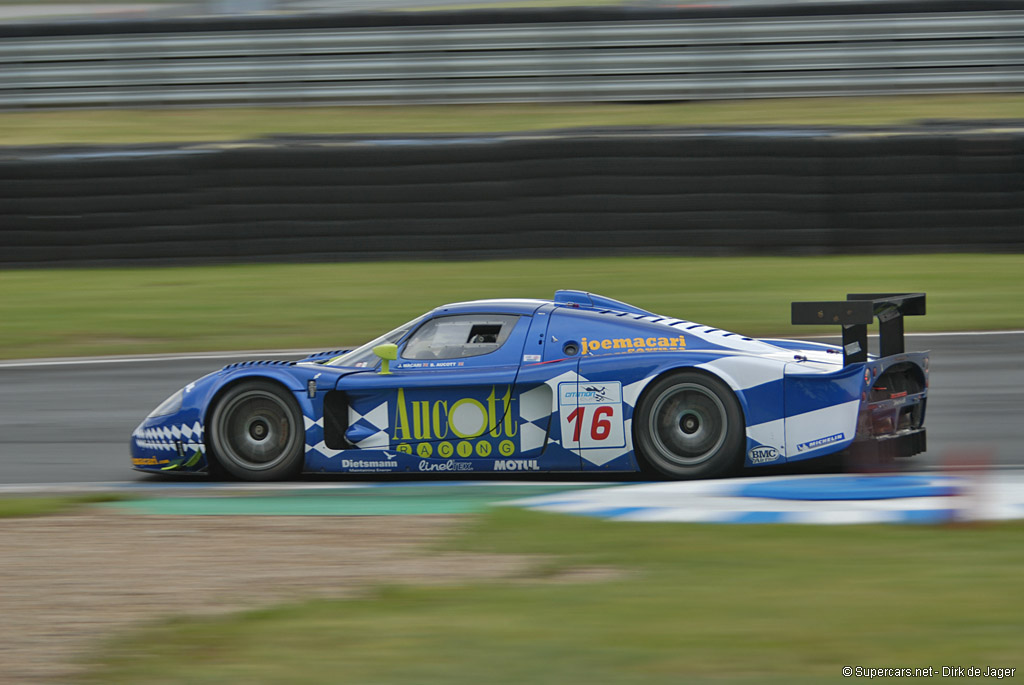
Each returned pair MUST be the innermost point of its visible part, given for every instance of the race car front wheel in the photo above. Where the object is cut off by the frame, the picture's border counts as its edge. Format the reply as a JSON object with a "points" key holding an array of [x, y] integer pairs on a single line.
{"points": [[256, 432], [690, 425]]}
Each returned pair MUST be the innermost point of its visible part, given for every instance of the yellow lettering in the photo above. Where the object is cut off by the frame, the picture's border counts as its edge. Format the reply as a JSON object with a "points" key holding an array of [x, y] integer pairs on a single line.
{"points": [[421, 420], [652, 342], [583, 345], [662, 342], [623, 343], [673, 342], [439, 422], [492, 417], [401, 418], [483, 416], [638, 342], [606, 344], [511, 426], [682, 342]]}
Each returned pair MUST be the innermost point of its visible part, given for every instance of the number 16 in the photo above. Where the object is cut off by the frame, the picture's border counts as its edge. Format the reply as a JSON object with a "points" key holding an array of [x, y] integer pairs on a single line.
{"points": [[600, 422]]}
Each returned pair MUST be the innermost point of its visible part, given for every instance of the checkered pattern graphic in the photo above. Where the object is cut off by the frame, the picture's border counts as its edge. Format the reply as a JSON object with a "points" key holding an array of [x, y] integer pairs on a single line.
{"points": [[537, 405], [376, 420], [535, 409], [164, 437]]}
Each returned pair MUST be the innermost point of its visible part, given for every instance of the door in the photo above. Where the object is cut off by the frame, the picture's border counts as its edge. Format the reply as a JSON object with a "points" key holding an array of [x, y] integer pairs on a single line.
{"points": [[451, 392]]}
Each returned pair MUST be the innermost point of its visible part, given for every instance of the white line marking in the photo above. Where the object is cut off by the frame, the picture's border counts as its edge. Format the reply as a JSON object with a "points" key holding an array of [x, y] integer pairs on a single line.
{"points": [[270, 354]]}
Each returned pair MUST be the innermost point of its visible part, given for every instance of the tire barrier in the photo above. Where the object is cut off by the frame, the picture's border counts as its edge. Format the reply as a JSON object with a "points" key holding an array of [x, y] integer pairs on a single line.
{"points": [[685, 191]]}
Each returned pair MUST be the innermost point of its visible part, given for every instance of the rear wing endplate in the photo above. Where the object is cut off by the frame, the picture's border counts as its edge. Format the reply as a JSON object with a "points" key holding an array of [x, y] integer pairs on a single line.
{"points": [[856, 312]]}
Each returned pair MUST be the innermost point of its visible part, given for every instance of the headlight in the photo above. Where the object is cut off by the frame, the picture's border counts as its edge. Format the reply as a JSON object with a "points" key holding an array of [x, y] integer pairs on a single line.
{"points": [[168, 406]]}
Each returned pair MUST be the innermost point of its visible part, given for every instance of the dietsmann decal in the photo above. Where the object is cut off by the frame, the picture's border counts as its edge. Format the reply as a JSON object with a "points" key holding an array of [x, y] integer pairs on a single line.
{"points": [[365, 464]]}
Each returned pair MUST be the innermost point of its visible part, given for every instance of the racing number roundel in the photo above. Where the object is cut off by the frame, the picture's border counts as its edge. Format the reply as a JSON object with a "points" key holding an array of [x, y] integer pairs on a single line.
{"points": [[591, 414]]}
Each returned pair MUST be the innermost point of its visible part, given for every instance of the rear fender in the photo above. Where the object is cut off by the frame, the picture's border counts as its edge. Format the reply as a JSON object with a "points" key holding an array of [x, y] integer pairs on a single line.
{"points": [[821, 409]]}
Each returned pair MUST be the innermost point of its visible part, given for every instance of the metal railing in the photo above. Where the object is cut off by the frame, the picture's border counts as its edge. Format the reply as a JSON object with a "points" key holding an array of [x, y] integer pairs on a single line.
{"points": [[658, 60]]}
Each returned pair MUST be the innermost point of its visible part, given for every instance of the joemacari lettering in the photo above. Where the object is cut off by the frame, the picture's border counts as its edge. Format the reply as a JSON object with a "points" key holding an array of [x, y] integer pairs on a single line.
{"points": [[652, 344]]}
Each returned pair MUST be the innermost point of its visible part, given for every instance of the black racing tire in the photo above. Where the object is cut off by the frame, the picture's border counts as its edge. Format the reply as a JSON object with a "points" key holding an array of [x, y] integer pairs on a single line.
{"points": [[690, 425], [256, 432]]}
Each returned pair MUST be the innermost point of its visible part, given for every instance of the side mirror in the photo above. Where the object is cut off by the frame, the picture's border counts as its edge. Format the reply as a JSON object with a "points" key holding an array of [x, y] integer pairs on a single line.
{"points": [[388, 352]]}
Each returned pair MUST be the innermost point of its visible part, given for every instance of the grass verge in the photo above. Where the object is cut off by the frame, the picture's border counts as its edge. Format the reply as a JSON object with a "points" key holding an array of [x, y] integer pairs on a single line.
{"points": [[694, 604], [241, 123], [18, 507], [325, 306]]}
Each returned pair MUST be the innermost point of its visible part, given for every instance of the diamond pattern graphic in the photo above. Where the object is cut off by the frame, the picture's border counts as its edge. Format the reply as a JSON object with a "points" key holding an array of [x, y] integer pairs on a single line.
{"points": [[531, 437], [379, 440], [536, 404], [535, 408], [162, 438], [377, 420]]}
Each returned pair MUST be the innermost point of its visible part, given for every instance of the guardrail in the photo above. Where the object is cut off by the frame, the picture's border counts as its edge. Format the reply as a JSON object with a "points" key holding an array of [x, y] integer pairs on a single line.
{"points": [[688, 191], [518, 57]]}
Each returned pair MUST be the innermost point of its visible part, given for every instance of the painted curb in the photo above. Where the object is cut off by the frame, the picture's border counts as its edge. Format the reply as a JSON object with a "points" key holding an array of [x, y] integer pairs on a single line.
{"points": [[919, 499]]}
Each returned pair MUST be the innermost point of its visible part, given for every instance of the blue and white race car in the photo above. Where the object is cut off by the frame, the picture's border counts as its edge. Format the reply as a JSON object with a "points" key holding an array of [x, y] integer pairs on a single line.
{"points": [[577, 383]]}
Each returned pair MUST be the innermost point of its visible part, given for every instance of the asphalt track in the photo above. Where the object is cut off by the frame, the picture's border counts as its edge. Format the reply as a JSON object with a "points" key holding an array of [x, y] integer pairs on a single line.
{"points": [[69, 421]]}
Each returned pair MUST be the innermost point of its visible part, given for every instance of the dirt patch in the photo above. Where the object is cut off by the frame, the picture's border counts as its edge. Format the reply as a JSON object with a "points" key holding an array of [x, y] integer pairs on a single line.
{"points": [[67, 582]]}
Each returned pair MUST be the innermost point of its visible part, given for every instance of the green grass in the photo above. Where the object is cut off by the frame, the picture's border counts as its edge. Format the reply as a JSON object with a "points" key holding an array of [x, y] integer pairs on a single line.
{"points": [[693, 604], [18, 507], [325, 306], [226, 124]]}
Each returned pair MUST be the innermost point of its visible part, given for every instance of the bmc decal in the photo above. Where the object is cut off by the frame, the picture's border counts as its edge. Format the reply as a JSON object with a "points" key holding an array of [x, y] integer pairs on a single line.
{"points": [[653, 344], [763, 455], [591, 415], [820, 442], [481, 425]]}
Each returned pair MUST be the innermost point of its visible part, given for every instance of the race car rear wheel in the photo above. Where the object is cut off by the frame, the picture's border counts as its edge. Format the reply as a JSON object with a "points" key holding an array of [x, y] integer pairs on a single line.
{"points": [[690, 425], [256, 432]]}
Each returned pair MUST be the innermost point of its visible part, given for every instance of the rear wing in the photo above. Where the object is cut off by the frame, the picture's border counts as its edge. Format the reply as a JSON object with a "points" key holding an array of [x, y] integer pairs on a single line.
{"points": [[856, 312]]}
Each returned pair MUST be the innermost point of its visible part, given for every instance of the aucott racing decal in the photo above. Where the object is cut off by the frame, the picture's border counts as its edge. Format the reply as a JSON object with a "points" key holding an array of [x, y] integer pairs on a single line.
{"points": [[481, 426]]}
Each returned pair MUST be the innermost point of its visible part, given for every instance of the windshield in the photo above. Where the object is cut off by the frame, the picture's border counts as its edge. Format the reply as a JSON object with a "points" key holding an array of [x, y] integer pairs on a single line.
{"points": [[363, 355]]}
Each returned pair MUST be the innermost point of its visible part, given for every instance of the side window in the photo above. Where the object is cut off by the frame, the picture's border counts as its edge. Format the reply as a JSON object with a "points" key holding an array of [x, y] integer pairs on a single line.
{"points": [[456, 337]]}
